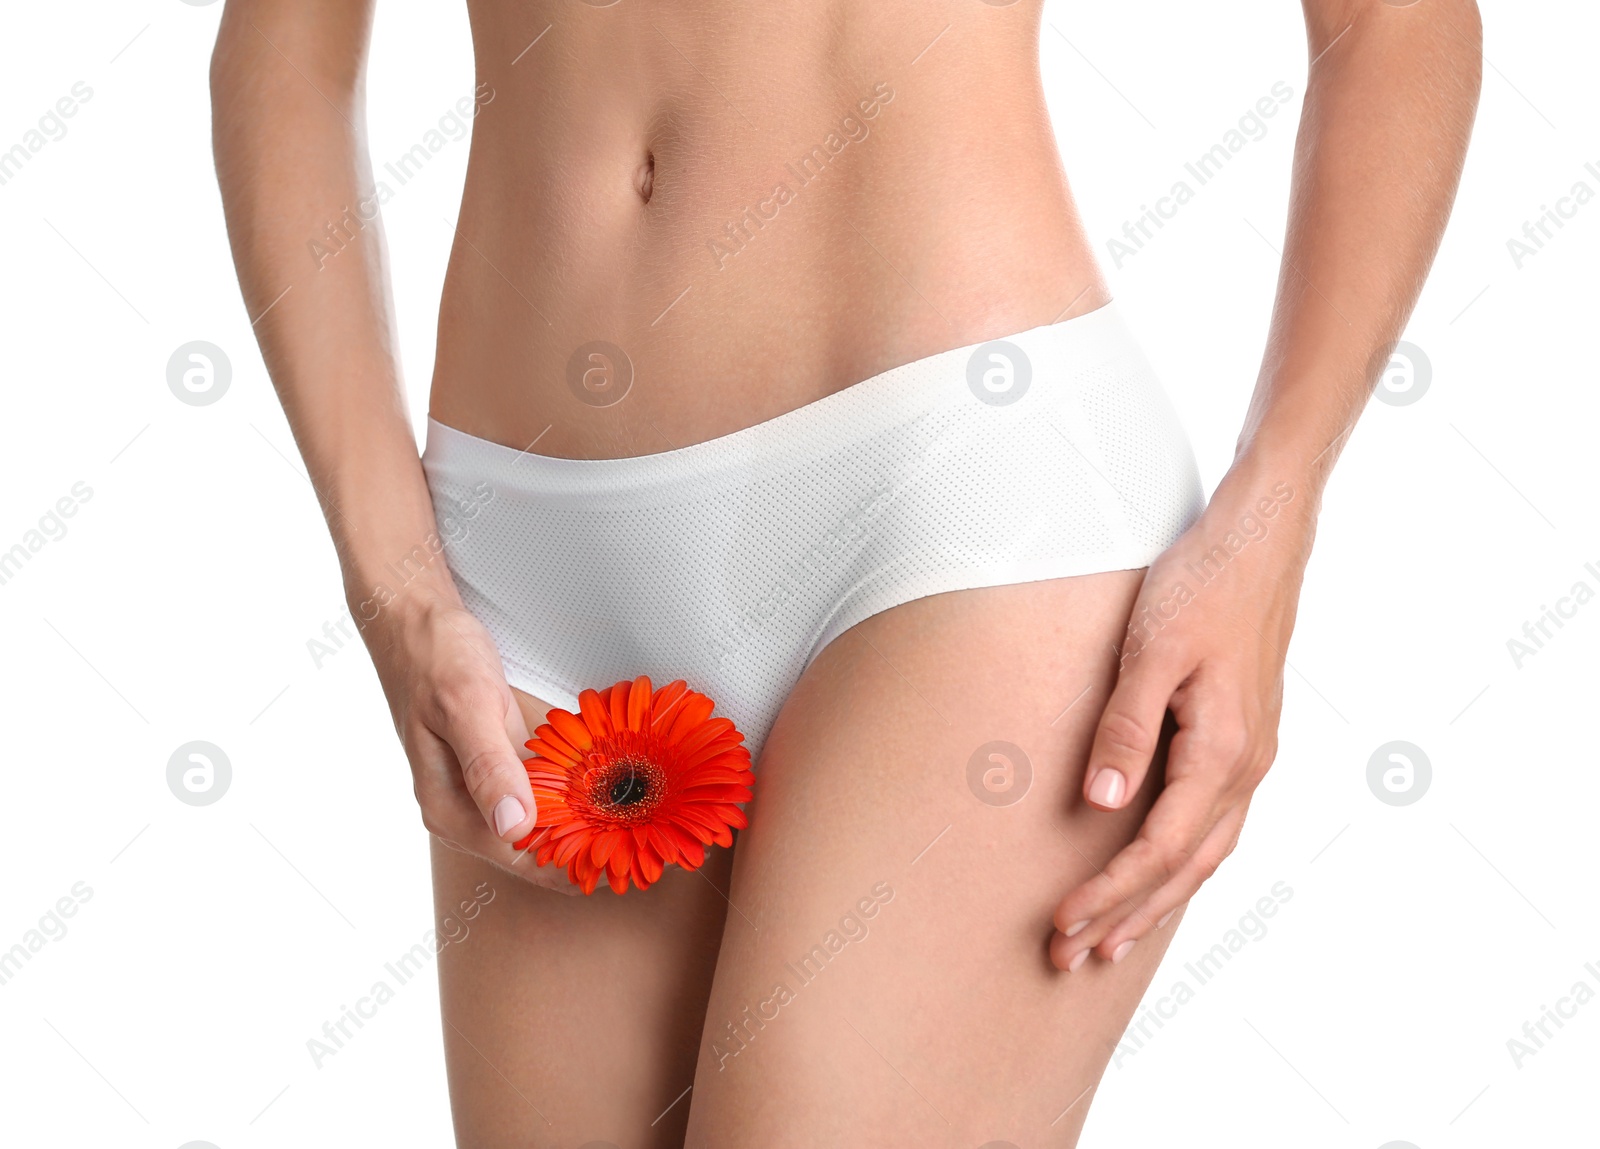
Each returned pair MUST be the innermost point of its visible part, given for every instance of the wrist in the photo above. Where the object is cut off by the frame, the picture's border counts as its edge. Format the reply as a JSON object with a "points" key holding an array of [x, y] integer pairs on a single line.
{"points": [[1260, 513], [1270, 484], [391, 545], [414, 581], [1293, 442]]}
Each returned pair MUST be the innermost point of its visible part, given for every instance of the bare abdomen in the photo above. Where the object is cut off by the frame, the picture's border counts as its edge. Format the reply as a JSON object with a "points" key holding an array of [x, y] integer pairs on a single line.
{"points": [[722, 212]]}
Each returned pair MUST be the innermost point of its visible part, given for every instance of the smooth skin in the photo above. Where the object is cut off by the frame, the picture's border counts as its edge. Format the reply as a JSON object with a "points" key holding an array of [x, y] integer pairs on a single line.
{"points": [[612, 146], [951, 983]]}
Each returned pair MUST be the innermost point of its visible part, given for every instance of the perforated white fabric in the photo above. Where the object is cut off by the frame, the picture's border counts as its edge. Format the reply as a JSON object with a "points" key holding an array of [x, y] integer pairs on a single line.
{"points": [[732, 563]]}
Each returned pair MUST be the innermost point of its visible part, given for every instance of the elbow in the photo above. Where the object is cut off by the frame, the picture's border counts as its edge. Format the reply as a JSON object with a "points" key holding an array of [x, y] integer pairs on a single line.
{"points": [[308, 49], [1442, 40]]}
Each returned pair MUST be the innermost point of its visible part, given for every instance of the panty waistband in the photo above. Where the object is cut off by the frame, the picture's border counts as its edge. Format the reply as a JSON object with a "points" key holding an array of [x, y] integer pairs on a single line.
{"points": [[1039, 365]]}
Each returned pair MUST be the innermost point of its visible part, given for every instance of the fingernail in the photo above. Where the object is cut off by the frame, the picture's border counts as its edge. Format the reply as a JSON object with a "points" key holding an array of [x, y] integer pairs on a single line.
{"points": [[1107, 788], [508, 812], [1165, 918], [1121, 951], [1078, 928], [1077, 960]]}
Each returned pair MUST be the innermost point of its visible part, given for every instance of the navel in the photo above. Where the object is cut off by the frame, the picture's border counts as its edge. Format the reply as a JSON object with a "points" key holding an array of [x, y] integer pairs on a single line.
{"points": [[644, 180]]}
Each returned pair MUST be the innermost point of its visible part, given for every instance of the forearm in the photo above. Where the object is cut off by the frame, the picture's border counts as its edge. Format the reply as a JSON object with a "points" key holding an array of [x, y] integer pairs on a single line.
{"points": [[1383, 135], [289, 137]]}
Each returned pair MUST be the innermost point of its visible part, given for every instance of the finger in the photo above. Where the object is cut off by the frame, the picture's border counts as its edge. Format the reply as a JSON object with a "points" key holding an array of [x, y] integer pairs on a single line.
{"points": [[473, 718], [1129, 730], [1203, 783], [1175, 827], [1189, 804], [550, 877], [451, 815], [517, 862], [1157, 910]]}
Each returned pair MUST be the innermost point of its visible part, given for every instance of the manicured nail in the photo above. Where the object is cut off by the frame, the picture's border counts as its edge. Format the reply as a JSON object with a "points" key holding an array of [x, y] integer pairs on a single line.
{"points": [[1165, 918], [1077, 960], [1107, 788], [1078, 928], [1121, 951], [508, 812]]}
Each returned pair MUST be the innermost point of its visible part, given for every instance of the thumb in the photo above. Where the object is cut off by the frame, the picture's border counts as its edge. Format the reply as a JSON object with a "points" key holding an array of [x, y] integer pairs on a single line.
{"points": [[1130, 728], [481, 738], [516, 725]]}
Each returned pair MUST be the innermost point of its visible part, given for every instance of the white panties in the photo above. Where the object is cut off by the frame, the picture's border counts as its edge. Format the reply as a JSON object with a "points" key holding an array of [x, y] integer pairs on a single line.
{"points": [[732, 563]]}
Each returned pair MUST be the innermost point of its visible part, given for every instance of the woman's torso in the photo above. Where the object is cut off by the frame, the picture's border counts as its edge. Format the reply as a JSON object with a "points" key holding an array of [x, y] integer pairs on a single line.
{"points": [[837, 188]]}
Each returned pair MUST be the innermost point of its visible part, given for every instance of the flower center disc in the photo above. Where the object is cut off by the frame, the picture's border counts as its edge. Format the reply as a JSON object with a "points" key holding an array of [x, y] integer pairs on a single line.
{"points": [[626, 789]]}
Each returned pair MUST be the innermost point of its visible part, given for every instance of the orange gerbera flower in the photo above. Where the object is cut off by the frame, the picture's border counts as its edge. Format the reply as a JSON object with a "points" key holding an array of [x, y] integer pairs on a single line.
{"points": [[637, 780]]}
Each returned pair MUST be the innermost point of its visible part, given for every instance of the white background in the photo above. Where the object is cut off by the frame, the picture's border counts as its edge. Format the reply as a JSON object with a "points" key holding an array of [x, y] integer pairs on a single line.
{"points": [[178, 606]]}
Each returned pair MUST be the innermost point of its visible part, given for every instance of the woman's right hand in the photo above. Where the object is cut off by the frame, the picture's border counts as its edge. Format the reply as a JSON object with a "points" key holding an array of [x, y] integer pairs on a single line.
{"points": [[461, 729]]}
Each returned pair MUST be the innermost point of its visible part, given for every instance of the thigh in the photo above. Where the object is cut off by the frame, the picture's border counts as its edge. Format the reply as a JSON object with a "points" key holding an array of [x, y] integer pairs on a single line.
{"points": [[571, 1019], [892, 985]]}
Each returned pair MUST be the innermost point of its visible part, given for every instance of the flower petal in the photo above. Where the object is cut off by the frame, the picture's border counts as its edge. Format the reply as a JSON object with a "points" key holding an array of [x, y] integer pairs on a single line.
{"points": [[718, 792], [553, 737], [622, 859], [594, 713], [572, 728], [706, 776], [647, 866], [703, 735], [698, 823], [550, 752], [692, 854], [588, 878], [601, 848], [617, 704], [726, 747], [662, 841], [696, 709], [661, 707], [639, 702]]}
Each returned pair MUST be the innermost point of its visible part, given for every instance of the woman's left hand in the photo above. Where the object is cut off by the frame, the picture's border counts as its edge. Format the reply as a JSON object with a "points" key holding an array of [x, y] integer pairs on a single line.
{"points": [[1206, 641]]}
